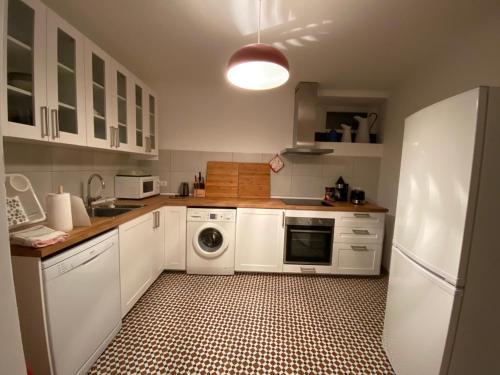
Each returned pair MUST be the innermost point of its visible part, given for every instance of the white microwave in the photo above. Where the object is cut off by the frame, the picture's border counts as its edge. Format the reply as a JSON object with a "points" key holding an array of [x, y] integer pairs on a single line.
{"points": [[136, 187]]}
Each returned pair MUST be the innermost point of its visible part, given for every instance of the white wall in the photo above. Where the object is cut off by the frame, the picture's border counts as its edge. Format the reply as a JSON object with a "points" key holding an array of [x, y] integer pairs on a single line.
{"points": [[473, 61], [214, 116]]}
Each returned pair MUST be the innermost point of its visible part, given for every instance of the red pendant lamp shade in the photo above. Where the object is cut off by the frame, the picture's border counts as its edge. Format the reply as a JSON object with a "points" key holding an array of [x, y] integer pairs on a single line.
{"points": [[258, 66]]}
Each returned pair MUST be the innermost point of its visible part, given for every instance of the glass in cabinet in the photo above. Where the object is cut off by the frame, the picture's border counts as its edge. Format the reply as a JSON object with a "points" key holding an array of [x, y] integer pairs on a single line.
{"points": [[100, 133], [24, 94], [65, 81]]}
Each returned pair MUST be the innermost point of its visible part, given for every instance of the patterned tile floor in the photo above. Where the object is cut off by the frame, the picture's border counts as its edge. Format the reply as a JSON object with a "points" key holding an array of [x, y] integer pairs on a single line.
{"points": [[252, 324]]}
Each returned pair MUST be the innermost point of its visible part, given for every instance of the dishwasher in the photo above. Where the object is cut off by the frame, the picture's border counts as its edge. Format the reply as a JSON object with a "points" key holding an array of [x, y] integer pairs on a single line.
{"points": [[82, 302]]}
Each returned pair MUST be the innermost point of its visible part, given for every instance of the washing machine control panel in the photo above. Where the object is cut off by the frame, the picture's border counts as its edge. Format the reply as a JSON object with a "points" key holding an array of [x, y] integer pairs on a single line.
{"points": [[211, 215]]}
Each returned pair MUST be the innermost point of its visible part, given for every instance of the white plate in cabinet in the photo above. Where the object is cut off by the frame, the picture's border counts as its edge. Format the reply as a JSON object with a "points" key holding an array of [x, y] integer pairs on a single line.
{"points": [[358, 235], [359, 219], [356, 259]]}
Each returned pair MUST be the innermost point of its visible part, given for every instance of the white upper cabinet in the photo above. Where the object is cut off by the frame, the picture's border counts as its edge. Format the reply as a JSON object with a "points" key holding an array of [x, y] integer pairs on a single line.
{"points": [[58, 86], [123, 108], [98, 97], [24, 56], [65, 81]]}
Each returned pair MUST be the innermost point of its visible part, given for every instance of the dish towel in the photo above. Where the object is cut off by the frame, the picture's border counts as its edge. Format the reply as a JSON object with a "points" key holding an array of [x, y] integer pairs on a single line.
{"points": [[37, 236]]}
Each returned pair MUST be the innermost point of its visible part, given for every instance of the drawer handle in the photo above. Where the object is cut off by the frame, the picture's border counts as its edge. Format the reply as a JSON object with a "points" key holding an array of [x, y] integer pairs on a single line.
{"points": [[307, 270], [361, 215], [360, 231], [359, 248]]}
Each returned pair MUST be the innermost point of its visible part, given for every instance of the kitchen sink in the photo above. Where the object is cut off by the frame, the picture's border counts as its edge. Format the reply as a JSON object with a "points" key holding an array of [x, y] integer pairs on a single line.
{"points": [[112, 211]]}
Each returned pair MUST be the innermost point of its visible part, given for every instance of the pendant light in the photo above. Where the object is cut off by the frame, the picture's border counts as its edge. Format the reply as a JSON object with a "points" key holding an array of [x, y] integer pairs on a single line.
{"points": [[258, 66]]}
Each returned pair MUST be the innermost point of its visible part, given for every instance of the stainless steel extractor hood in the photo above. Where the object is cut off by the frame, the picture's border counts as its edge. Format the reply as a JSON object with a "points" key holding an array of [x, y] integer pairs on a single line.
{"points": [[305, 121]]}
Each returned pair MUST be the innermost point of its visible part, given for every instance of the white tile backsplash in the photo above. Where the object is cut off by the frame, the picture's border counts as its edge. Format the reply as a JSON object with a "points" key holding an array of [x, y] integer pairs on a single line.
{"points": [[303, 175], [307, 186], [48, 166], [22, 157], [281, 185], [242, 157], [186, 161]]}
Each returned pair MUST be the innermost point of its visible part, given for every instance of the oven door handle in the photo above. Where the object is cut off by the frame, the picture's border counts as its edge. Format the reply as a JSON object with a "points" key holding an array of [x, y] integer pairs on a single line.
{"points": [[310, 231]]}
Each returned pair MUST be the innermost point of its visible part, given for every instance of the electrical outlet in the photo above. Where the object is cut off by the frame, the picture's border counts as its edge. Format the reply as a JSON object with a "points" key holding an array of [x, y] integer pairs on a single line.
{"points": [[163, 183]]}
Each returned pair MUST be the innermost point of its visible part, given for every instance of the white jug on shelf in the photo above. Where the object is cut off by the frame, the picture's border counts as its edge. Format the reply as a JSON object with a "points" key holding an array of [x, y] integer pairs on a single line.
{"points": [[346, 133], [364, 126]]}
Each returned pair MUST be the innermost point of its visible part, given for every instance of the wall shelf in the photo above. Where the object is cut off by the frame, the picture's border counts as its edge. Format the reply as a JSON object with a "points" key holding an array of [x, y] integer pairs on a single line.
{"points": [[375, 150]]}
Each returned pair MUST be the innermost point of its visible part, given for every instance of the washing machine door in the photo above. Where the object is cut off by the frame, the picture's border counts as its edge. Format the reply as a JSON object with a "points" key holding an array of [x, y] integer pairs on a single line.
{"points": [[210, 240]]}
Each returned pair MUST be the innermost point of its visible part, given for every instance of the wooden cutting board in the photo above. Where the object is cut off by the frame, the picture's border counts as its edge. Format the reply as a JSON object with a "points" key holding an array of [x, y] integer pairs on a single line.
{"points": [[254, 180], [233, 180], [222, 179]]}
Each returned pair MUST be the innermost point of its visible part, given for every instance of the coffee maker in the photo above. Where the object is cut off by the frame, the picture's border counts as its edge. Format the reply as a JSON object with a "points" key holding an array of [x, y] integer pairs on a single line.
{"points": [[340, 190]]}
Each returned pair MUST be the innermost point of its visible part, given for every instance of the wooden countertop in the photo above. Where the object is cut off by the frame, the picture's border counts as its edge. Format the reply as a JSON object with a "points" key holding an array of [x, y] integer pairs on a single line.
{"points": [[103, 224]]}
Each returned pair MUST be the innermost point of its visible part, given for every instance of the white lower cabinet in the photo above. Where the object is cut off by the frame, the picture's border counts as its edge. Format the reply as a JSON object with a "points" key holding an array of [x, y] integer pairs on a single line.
{"points": [[175, 237], [158, 242], [259, 240], [357, 244], [141, 256], [355, 259]]}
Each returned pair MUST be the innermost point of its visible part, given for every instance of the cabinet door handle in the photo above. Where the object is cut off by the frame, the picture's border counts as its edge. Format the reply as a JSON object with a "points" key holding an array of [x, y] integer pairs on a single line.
{"points": [[156, 219], [360, 231], [282, 219], [45, 121], [358, 215], [58, 135], [112, 136], [307, 269], [359, 248], [53, 114], [117, 133]]}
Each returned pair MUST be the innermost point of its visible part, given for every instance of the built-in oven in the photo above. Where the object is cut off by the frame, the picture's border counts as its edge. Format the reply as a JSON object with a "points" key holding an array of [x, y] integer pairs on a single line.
{"points": [[308, 241]]}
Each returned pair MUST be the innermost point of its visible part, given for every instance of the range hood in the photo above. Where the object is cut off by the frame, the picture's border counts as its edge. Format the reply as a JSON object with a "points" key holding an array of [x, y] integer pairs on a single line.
{"points": [[305, 121]]}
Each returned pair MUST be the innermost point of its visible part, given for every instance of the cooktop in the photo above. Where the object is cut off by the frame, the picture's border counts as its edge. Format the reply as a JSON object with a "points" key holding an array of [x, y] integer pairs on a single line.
{"points": [[303, 202]]}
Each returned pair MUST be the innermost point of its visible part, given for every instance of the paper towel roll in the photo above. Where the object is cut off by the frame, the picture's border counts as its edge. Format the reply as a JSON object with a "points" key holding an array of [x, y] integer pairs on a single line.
{"points": [[59, 212]]}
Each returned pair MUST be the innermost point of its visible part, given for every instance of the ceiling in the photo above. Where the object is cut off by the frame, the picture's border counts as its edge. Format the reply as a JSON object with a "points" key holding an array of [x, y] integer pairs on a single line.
{"points": [[355, 44]]}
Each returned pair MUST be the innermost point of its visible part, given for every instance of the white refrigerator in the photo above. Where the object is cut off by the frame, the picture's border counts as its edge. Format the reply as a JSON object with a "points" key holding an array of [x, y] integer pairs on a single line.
{"points": [[445, 239]]}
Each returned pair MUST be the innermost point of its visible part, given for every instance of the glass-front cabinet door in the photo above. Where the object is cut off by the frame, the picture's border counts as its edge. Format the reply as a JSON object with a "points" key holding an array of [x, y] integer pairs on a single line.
{"points": [[24, 95], [152, 138], [122, 127], [100, 132], [139, 118], [65, 81]]}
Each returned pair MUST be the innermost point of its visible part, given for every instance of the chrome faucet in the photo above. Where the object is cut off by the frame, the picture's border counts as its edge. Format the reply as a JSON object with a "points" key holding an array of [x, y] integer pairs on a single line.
{"points": [[90, 198]]}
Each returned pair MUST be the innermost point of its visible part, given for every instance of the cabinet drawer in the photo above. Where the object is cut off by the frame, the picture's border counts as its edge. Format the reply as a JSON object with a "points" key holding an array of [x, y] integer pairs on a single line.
{"points": [[351, 259], [359, 219], [357, 235]]}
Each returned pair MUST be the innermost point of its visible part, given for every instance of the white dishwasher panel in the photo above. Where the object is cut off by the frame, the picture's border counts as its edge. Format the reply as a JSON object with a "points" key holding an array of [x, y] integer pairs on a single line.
{"points": [[82, 297]]}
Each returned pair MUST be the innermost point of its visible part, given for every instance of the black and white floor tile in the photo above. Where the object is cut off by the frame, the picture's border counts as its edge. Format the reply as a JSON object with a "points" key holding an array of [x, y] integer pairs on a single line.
{"points": [[252, 324]]}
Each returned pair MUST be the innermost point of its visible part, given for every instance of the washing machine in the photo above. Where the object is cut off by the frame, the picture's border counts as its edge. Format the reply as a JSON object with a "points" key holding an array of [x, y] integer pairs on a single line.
{"points": [[211, 236]]}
